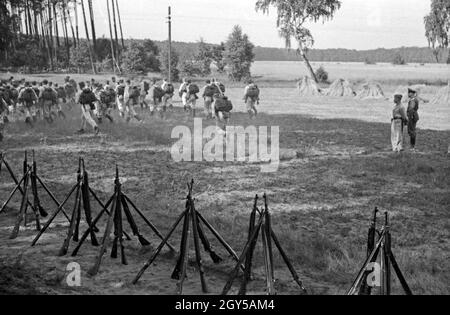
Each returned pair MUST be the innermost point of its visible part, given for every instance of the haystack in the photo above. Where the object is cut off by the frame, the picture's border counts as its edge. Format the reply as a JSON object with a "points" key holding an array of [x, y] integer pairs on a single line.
{"points": [[340, 88], [371, 90], [308, 87], [442, 97]]}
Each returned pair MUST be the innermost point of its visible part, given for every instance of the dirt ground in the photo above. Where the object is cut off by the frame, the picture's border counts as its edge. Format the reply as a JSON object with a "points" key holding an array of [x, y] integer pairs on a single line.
{"points": [[332, 175]]}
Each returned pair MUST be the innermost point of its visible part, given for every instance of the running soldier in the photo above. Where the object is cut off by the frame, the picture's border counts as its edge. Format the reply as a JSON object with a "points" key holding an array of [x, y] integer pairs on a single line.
{"points": [[251, 98], [29, 99], [71, 92], [49, 99], [87, 100], [191, 97], [222, 108], [413, 117], [208, 96], [183, 92], [104, 106], [169, 91], [145, 88], [132, 98], [120, 93], [62, 100], [157, 94]]}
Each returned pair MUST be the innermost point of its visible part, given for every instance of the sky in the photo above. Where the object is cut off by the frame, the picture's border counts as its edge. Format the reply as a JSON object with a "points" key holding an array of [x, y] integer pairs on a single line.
{"points": [[359, 24]]}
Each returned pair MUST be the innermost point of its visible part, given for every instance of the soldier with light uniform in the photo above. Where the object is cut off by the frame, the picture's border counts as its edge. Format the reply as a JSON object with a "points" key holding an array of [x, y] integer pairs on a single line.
{"points": [[399, 120], [131, 98], [86, 98]]}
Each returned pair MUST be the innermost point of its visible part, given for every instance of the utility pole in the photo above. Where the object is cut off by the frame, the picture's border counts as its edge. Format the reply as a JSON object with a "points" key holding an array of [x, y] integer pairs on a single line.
{"points": [[170, 44]]}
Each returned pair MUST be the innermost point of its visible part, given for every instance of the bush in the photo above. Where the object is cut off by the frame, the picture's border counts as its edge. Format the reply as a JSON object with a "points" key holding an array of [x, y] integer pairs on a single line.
{"points": [[239, 55], [399, 60], [190, 68], [322, 75], [369, 61]]}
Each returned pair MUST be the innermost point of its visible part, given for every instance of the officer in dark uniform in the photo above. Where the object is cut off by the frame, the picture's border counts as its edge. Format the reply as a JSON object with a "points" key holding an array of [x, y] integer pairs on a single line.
{"points": [[413, 116]]}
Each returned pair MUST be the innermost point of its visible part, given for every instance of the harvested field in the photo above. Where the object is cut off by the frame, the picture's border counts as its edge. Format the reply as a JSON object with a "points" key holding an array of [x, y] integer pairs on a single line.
{"points": [[321, 199]]}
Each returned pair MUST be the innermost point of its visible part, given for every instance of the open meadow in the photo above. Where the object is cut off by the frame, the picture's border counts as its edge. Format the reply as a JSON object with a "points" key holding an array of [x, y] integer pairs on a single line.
{"points": [[336, 167]]}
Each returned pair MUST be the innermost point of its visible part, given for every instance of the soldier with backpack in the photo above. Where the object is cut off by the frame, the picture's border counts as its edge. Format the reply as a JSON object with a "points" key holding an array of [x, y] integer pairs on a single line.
{"points": [[222, 108], [169, 91], [157, 94], [87, 100], [104, 106], [191, 97], [49, 99], [28, 98], [120, 93], [145, 88], [62, 100], [132, 98], [251, 98], [183, 92], [71, 92], [208, 96]]}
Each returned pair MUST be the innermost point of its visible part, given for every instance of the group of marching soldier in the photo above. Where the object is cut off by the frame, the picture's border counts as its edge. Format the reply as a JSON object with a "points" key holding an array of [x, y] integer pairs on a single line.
{"points": [[46, 101]]}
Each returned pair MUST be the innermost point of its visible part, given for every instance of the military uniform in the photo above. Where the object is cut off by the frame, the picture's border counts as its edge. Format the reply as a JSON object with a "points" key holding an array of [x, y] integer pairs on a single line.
{"points": [[208, 99], [87, 111], [250, 100], [399, 119], [413, 118]]}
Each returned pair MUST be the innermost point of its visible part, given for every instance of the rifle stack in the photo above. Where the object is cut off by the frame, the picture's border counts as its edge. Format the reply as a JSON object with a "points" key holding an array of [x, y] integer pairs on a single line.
{"points": [[382, 249], [261, 226], [191, 217], [27, 186]]}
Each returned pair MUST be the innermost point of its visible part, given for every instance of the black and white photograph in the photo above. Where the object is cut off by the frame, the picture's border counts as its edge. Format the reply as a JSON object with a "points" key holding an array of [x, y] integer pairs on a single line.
{"points": [[224, 155]]}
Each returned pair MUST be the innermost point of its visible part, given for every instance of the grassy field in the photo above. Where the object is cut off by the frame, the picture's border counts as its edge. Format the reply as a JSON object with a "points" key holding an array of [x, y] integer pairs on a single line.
{"points": [[387, 74], [336, 167], [321, 199]]}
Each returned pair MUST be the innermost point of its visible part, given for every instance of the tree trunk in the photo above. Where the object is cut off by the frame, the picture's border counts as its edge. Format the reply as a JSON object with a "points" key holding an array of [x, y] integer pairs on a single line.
{"points": [[77, 28], [120, 24], [36, 24], [66, 34], [448, 58], [113, 58], [45, 31], [116, 37], [94, 36], [74, 37], [87, 36], [55, 18], [308, 64], [50, 29], [30, 23]]}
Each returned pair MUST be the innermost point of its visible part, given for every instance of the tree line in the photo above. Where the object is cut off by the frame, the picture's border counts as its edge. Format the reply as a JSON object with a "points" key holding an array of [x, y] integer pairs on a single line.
{"points": [[51, 34], [381, 55]]}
